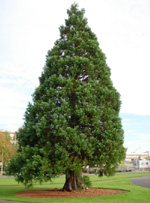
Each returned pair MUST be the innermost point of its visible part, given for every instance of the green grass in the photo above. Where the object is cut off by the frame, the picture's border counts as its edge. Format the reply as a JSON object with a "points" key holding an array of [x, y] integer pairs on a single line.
{"points": [[137, 194], [119, 176], [11, 181]]}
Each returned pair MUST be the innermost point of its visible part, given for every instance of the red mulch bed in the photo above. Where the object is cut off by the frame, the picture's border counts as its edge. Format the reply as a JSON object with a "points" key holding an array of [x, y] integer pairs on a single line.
{"points": [[58, 193]]}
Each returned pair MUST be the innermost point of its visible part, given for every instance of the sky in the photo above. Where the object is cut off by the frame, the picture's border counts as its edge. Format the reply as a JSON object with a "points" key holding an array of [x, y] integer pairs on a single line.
{"points": [[29, 28]]}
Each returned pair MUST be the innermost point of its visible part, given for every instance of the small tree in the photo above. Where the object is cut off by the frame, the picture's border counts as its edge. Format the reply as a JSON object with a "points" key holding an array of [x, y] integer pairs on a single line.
{"points": [[7, 147], [74, 119]]}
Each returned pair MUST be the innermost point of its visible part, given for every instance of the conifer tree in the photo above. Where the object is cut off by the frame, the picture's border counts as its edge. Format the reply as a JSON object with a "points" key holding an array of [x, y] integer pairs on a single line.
{"points": [[74, 118]]}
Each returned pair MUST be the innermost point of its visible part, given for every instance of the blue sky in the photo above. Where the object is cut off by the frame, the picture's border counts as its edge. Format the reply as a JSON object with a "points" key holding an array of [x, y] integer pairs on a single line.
{"points": [[29, 28], [137, 132]]}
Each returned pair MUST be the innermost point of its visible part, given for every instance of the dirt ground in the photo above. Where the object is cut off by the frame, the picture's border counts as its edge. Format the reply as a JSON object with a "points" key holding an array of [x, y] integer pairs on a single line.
{"points": [[58, 193]]}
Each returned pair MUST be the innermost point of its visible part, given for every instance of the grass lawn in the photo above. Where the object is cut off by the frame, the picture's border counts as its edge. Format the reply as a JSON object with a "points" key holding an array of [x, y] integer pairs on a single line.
{"points": [[8, 188]]}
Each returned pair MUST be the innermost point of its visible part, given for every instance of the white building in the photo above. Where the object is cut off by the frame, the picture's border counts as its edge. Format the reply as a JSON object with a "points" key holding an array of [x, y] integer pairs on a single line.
{"points": [[142, 164], [140, 156], [136, 162]]}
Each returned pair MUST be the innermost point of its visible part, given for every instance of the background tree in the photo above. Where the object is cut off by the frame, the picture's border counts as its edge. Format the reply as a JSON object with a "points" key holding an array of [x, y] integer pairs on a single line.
{"points": [[74, 119], [7, 147]]}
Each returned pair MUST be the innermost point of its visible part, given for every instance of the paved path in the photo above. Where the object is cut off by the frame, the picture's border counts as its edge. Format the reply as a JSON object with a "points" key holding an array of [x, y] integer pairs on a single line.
{"points": [[140, 181]]}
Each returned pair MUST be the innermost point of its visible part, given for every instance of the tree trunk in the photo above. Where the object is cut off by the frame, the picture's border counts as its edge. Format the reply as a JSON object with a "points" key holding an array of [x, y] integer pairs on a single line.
{"points": [[73, 182]]}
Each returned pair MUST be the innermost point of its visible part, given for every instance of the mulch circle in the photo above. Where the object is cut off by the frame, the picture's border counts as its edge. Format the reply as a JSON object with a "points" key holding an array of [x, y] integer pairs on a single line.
{"points": [[58, 193]]}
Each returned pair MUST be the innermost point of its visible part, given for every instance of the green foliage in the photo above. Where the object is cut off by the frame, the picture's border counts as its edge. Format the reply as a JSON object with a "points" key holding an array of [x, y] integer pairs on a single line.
{"points": [[74, 118], [86, 181], [7, 147]]}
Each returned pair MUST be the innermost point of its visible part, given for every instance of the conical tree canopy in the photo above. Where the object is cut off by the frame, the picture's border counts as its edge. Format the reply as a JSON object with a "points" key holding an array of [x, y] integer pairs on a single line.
{"points": [[74, 119]]}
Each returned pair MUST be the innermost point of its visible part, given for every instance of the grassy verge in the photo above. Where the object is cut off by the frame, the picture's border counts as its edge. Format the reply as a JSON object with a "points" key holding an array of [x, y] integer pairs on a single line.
{"points": [[119, 176], [11, 181], [137, 194]]}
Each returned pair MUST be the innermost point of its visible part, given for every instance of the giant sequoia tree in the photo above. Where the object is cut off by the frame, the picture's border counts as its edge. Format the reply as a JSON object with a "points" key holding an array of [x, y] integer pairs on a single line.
{"points": [[74, 118]]}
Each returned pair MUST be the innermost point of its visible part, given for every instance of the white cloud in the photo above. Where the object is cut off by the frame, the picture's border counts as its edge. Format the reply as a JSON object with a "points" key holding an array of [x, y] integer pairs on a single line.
{"points": [[143, 136], [137, 146]]}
